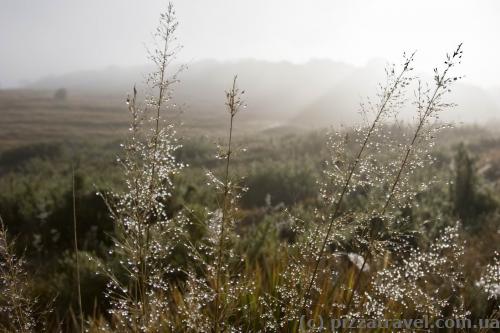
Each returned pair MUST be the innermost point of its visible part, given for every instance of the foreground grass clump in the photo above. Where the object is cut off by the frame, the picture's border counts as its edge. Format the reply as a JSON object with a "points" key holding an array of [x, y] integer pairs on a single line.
{"points": [[362, 242]]}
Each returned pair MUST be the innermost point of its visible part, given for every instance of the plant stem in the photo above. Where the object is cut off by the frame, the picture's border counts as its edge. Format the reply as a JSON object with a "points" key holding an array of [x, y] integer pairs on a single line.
{"points": [[75, 239], [225, 207], [338, 204], [143, 250]]}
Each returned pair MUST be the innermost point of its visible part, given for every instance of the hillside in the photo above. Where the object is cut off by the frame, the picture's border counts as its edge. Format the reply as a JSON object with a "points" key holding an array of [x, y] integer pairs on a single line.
{"points": [[319, 93]]}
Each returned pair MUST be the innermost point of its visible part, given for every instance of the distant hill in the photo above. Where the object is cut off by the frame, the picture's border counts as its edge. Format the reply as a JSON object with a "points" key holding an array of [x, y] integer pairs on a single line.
{"points": [[475, 105], [318, 93], [341, 105], [274, 90]]}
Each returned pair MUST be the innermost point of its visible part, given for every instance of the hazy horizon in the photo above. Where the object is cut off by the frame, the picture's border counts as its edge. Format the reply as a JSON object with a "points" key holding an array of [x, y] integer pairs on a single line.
{"points": [[54, 37]]}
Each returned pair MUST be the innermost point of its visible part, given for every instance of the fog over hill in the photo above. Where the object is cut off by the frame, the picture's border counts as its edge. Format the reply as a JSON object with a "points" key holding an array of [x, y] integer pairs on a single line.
{"points": [[495, 93], [314, 94], [341, 104]]}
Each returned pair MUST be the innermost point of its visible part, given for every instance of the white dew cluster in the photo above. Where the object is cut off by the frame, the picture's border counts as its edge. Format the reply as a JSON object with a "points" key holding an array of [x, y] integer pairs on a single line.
{"points": [[425, 281], [490, 279], [16, 303]]}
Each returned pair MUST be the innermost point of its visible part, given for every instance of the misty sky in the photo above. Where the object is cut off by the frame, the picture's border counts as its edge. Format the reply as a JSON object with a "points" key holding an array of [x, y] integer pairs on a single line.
{"points": [[47, 37]]}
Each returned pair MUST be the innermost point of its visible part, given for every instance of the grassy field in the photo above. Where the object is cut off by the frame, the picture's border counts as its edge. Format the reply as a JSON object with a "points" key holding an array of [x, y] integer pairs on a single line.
{"points": [[30, 117], [35, 116]]}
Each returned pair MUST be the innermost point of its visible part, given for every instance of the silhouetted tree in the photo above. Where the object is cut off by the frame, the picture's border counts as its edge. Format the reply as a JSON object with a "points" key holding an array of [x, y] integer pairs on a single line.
{"points": [[470, 202], [61, 94]]}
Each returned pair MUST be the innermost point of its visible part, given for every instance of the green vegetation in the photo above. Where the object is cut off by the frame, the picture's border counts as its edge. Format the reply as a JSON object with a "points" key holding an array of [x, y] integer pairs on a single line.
{"points": [[36, 206]]}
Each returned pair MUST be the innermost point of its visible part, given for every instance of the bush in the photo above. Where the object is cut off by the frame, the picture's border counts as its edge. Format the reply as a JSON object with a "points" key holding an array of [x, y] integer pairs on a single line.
{"points": [[60, 94]]}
